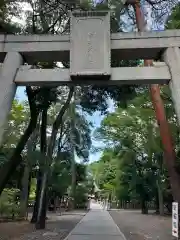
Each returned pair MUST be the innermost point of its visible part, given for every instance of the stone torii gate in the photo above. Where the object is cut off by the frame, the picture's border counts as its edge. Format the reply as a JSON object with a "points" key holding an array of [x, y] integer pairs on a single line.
{"points": [[89, 47]]}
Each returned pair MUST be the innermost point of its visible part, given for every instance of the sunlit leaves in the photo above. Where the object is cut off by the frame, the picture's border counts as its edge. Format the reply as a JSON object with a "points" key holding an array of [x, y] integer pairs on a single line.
{"points": [[17, 123]]}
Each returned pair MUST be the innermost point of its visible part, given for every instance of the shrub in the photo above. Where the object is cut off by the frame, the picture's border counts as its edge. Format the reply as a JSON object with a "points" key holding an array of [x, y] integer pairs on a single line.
{"points": [[81, 197], [9, 207]]}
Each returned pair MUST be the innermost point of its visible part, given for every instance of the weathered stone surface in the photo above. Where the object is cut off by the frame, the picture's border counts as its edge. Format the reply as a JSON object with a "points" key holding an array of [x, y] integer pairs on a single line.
{"points": [[124, 75], [50, 234], [90, 46], [145, 45], [8, 71]]}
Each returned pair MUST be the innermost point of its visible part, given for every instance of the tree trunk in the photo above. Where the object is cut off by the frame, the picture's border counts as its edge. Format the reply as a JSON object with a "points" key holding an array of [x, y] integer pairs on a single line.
{"points": [[58, 122], [24, 191], [42, 201], [160, 197], [29, 188], [10, 166], [73, 185], [41, 218], [55, 204], [157, 202], [26, 180], [144, 208], [38, 188], [73, 162]]}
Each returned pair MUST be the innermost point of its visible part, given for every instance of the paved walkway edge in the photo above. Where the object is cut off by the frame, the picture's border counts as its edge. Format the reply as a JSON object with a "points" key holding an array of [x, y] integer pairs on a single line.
{"points": [[123, 236], [66, 238]]}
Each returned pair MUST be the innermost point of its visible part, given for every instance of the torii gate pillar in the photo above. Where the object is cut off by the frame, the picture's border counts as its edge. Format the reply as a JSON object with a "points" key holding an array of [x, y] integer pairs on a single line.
{"points": [[12, 62], [172, 59]]}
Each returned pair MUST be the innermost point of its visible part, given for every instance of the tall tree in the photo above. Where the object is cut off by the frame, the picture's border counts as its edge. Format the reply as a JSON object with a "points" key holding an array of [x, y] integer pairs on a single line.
{"points": [[42, 201], [133, 137], [169, 151]]}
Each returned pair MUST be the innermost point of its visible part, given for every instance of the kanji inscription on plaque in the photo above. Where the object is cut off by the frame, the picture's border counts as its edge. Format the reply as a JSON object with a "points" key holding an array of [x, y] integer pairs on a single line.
{"points": [[90, 44]]}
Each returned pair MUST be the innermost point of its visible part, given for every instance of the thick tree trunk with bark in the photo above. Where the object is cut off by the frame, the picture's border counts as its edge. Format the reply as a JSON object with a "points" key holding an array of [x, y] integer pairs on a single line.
{"points": [[26, 180], [36, 204], [42, 201], [25, 191], [41, 218], [157, 202], [144, 207], [160, 197]]}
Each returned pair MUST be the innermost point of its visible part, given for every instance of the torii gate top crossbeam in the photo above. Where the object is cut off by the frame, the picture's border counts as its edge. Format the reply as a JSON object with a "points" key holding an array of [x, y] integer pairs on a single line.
{"points": [[90, 48], [145, 45]]}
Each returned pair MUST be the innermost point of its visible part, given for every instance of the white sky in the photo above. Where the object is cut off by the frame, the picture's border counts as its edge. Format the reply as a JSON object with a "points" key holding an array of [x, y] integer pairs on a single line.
{"points": [[25, 7]]}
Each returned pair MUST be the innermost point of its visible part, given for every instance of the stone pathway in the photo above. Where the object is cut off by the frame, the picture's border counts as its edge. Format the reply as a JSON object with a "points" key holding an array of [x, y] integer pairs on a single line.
{"points": [[97, 224]]}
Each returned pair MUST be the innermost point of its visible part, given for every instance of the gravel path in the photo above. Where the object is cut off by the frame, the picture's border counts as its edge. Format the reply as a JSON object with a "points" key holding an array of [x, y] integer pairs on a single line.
{"points": [[57, 228], [136, 226]]}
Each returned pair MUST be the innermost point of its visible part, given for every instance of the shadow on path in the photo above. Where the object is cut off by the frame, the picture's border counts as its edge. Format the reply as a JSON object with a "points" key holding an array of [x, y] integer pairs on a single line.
{"points": [[57, 227]]}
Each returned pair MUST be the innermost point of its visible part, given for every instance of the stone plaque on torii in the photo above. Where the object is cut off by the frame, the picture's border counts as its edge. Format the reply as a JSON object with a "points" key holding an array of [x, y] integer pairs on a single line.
{"points": [[90, 48]]}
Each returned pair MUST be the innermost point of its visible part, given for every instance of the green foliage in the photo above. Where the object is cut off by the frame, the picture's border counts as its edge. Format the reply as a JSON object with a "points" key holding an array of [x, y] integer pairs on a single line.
{"points": [[60, 177], [131, 167], [9, 9], [17, 122], [81, 196], [173, 22], [104, 173], [32, 192], [8, 203]]}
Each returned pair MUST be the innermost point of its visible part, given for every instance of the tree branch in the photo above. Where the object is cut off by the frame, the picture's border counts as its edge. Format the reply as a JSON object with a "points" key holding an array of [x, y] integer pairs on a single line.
{"points": [[58, 122]]}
